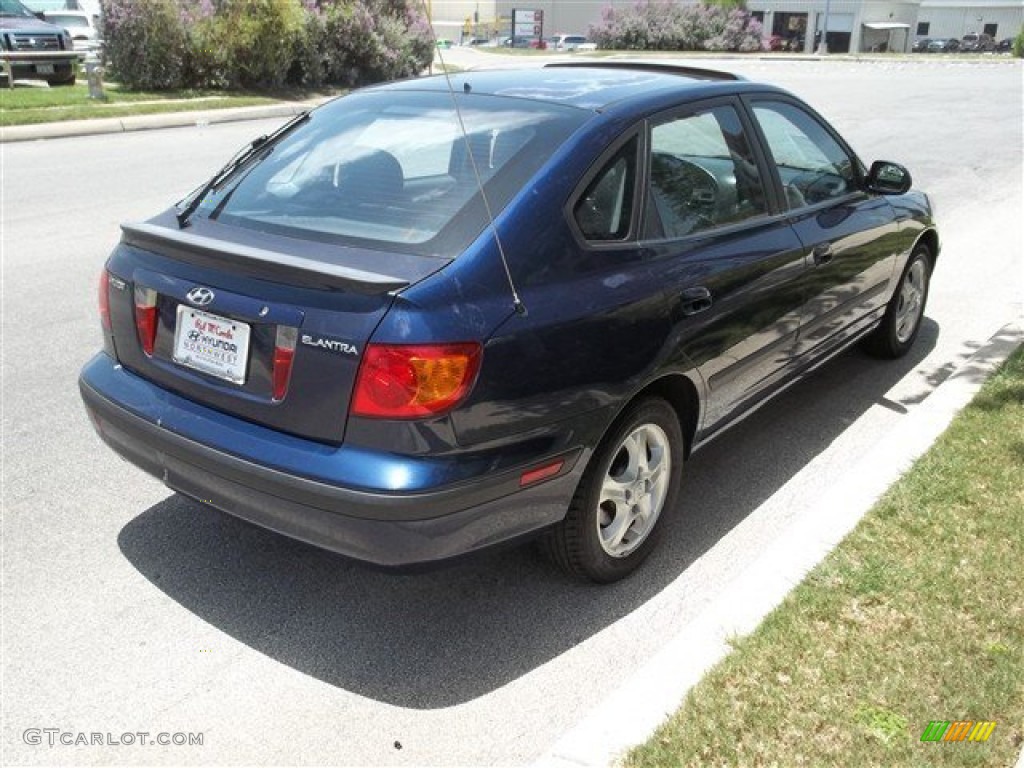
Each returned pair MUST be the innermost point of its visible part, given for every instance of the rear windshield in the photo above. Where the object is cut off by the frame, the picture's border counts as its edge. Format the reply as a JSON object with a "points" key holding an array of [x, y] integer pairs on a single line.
{"points": [[392, 170]]}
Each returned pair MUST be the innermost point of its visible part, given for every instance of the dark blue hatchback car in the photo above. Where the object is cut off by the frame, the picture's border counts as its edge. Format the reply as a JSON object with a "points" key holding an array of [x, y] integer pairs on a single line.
{"points": [[433, 316]]}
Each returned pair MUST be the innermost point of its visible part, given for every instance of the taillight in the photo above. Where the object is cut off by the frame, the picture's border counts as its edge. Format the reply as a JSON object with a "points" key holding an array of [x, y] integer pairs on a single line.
{"points": [[284, 354], [104, 297], [145, 317], [406, 381]]}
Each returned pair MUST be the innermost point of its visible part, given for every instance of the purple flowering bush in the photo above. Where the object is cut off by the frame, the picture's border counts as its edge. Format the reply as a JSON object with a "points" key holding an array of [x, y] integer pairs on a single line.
{"points": [[146, 45], [740, 33], [258, 40], [663, 25], [374, 40], [161, 44], [310, 63], [206, 64]]}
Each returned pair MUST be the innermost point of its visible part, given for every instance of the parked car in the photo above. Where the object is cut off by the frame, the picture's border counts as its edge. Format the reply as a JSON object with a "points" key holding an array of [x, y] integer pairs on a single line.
{"points": [[33, 48], [921, 45], [944, 45], [975, 43], [1005, 45], [571, 43], [404, 333], [525, 43], [83, 28]]}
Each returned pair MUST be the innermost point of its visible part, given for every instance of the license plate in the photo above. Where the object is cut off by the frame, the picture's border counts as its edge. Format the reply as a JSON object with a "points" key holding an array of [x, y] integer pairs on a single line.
{"points": [[215, 345], [44, 69]]}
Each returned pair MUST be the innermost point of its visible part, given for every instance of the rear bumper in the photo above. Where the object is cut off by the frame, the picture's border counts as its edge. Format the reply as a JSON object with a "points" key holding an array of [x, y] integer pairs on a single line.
{"points": [[377, 526]]}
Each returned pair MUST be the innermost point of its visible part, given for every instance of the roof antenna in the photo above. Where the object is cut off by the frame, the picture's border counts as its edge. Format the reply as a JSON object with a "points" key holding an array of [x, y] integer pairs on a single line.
{"points": [[517, 303]]}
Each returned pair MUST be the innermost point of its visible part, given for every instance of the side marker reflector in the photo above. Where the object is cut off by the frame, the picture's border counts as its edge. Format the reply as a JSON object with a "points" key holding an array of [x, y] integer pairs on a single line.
{"points": [[532, 476]]}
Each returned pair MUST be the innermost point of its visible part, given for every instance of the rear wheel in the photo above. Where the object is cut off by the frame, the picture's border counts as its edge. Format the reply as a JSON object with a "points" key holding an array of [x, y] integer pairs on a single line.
{"points": [[902, 320], [614, 519]]}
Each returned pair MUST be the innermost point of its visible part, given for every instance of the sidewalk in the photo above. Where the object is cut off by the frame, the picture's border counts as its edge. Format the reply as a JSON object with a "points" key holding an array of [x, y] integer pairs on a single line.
{"points": [[198, 117]]}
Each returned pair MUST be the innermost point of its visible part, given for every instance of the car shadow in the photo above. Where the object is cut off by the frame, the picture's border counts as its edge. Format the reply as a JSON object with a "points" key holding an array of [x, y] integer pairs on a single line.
{"points": [[443, 637]]}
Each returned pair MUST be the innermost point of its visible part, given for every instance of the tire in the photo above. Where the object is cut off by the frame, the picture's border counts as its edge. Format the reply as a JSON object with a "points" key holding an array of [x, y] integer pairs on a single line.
{"points": [[902, 320], [606, 534]]}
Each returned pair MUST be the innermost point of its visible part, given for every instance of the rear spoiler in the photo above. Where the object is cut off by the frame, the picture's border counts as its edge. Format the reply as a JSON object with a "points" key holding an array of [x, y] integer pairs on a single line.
{"points": [[646, 65], [257, 262]]}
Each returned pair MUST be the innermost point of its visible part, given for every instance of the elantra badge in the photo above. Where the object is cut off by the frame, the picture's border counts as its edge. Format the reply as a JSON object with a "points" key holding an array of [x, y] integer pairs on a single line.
{"points": [[200, 296], [331, 345]]}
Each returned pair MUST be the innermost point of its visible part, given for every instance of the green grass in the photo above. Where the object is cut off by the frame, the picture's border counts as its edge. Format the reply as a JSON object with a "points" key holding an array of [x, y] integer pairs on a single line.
{"points": [[506, 51], [437, 68], [24, 106], [918, 615]]}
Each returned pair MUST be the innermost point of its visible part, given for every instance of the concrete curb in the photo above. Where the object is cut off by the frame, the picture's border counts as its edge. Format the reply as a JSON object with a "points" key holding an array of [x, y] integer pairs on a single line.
{"points": [[151, 122], [631, 714]]}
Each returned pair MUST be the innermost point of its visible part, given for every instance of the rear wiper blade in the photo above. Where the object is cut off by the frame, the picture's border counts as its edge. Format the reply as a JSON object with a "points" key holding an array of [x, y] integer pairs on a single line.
{"points": [[260, 142]]}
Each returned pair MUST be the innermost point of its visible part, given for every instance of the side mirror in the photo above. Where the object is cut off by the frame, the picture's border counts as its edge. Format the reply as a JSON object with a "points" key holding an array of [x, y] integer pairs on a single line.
{"points": [[887, 178]]}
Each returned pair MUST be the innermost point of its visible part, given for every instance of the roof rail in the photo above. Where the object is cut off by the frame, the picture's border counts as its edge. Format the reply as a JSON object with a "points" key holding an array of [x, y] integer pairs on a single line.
{"points": [[652, 66]]}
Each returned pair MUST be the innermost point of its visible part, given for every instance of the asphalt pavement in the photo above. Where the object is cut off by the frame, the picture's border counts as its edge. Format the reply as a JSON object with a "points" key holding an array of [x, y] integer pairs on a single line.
{"points": [[127, 609]]}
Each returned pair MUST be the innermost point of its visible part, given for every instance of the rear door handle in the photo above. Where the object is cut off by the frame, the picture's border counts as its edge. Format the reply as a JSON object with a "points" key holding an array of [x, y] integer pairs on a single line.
{"points": [[696, 300], [822, 253]]}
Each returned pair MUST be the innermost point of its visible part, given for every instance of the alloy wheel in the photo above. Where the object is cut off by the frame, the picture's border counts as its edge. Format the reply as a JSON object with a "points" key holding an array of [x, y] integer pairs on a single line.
{"points": [[908, 311], [633, 490]]}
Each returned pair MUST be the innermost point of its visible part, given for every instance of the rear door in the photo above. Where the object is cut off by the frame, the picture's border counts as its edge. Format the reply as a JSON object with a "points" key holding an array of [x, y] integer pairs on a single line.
{"points": [[850, 238]]}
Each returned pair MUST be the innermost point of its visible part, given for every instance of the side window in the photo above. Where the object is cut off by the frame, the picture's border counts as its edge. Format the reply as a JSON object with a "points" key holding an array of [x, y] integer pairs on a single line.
{"points": [[703, 175], [813, 167], [605, 210]]}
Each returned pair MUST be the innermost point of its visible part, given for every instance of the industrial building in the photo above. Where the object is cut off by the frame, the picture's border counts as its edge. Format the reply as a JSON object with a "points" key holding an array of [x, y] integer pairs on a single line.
{"points": [[853, 25], [955, 18]]}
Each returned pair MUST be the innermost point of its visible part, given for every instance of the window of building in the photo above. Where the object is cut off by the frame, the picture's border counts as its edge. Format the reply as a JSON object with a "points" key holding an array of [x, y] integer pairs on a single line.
{"points": [[922, 28]]}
